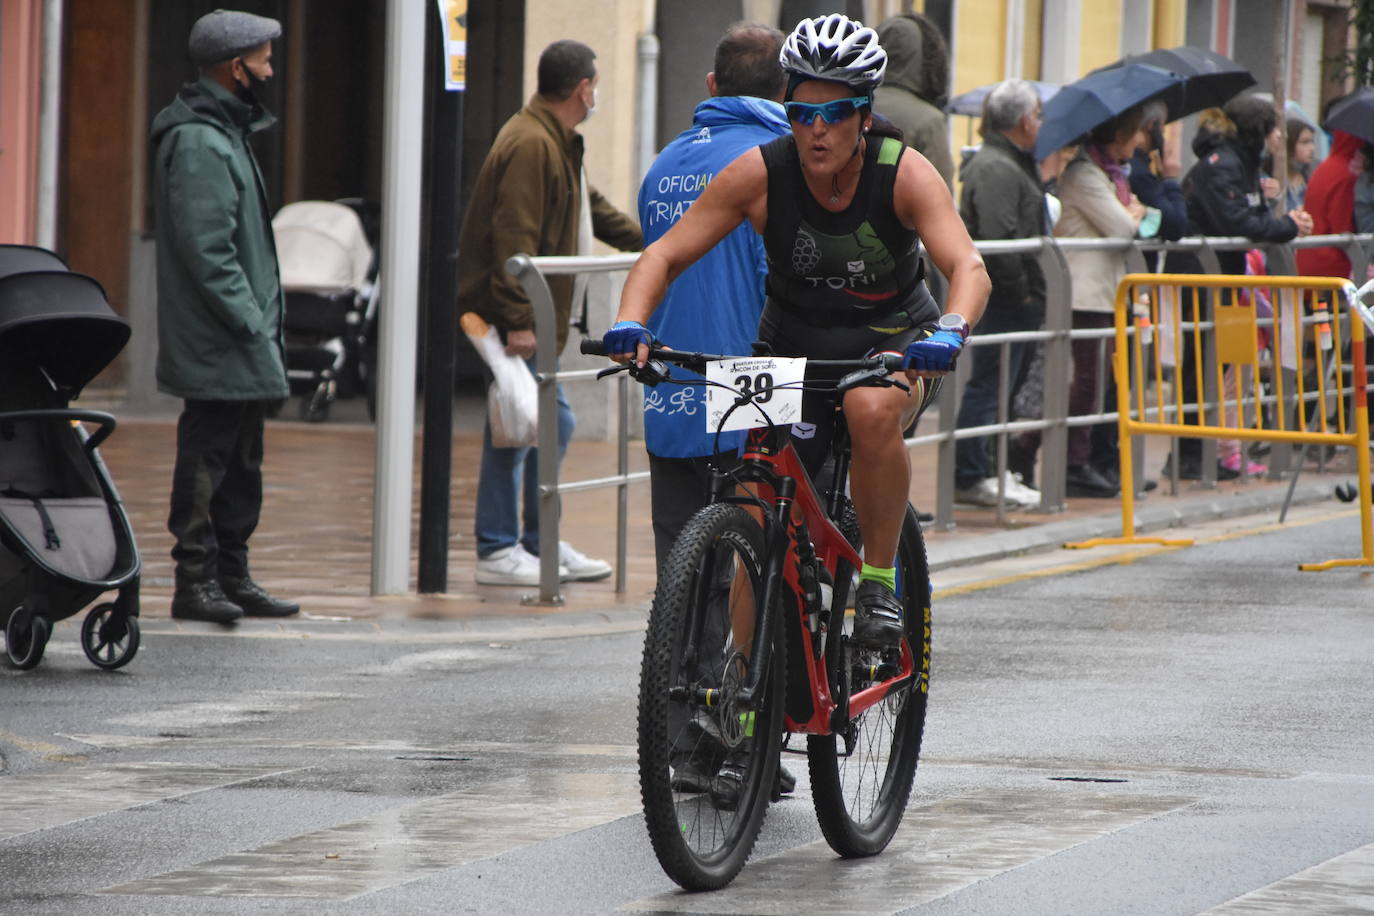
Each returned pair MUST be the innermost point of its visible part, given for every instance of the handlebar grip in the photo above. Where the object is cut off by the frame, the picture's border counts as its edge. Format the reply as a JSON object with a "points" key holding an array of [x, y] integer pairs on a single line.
{"points": [[591, 347]]}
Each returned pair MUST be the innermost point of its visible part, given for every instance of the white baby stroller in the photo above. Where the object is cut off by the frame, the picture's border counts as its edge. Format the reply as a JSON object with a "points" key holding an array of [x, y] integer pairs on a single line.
{"points": [[64, 536], [328, 274]]}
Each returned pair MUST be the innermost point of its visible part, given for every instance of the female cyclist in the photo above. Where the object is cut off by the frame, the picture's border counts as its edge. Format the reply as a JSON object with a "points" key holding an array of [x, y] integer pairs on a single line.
{"points": [[842, 218]]}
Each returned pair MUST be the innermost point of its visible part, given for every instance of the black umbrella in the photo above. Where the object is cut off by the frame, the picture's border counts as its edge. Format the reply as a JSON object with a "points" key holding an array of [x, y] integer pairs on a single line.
{"points": [[1096, 98], [1209, 79], [1354, 114]]}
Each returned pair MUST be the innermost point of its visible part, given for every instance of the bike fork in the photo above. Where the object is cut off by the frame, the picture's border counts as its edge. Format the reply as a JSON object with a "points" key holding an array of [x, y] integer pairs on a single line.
{"points": [[775, 546]]}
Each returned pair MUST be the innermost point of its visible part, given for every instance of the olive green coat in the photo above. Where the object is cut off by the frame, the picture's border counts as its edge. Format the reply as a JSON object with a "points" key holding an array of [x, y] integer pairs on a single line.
{"points": [[528, 199]]}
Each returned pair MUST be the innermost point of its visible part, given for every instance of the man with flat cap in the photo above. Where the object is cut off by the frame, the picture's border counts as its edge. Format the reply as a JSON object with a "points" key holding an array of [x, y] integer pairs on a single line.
{"points": [[220, 306]]}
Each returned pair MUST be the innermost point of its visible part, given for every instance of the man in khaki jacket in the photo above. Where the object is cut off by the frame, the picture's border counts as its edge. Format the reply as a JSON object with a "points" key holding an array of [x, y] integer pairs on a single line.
{"points": [[529, 198]]}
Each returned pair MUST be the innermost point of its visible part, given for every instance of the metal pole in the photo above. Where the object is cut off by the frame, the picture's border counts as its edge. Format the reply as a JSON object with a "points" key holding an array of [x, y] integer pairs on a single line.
{"points": [[441, 317], [1281, 43], [645, 145], [401, 163], [49, 122]]}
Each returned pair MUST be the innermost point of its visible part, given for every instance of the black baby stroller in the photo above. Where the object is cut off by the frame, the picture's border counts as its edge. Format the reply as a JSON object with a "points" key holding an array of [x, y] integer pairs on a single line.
{"points": [[331, 299], [64, 537]]}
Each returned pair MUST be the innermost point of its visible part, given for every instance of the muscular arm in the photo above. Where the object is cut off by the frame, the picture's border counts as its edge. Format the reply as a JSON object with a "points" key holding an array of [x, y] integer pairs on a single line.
{"points": [[738, 193], [922, 202]]}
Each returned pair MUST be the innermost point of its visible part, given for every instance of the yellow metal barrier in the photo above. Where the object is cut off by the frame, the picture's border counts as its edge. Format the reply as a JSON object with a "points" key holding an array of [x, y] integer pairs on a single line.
{"points": [[1291, 330]]}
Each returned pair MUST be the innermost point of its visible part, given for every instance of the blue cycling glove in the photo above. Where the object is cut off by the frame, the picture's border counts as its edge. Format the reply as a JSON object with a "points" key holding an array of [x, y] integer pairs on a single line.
{"points": [[935, 353], [625, 337]]}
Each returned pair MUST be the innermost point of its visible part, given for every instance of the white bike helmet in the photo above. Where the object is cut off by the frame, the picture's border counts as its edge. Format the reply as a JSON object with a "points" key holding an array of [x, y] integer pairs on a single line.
{"points": [[834, 48]]}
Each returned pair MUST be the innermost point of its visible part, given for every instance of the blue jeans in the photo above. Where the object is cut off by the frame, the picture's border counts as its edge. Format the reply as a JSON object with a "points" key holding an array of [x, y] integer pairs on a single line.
{"points": [[504, 473], [979, 405]]}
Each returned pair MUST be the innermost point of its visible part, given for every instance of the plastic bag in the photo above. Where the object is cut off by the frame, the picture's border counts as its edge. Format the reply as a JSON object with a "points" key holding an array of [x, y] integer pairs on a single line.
{"points": [[512, 396]]}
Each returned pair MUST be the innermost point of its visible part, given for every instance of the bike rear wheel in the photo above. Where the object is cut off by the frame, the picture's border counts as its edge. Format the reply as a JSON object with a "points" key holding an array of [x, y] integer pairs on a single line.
{"points": [[694, 736], [861, 777]]}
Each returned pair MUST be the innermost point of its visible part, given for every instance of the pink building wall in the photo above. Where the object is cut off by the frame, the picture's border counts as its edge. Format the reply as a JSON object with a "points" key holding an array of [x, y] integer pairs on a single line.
{"points": [[21, 27]]}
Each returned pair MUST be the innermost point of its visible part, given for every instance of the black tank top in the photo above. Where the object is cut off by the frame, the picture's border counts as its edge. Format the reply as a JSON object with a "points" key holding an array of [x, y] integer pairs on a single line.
{"points": [[860, 266]]}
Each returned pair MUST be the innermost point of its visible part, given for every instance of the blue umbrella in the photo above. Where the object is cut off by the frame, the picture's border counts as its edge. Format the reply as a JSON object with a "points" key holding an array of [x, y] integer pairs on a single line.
{"points": [[971, 102], [1096, 98]]}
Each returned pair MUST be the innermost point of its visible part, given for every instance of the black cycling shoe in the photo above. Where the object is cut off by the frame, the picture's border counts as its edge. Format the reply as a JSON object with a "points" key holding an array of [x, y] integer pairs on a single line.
{"points": [[786, 781], [728, 782], [691, 777], [877, 617]]}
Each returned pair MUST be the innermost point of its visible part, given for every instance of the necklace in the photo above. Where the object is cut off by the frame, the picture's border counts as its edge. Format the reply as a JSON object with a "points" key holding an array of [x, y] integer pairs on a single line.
{"points": [[835, 189]]}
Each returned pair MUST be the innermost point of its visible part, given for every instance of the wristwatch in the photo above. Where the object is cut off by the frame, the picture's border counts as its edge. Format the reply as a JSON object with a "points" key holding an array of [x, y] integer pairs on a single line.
{"points": [[949, 321]]}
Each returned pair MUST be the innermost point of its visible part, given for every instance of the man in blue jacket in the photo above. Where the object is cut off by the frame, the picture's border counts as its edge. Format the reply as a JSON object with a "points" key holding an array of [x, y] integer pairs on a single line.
{"points": [[714, 305]]}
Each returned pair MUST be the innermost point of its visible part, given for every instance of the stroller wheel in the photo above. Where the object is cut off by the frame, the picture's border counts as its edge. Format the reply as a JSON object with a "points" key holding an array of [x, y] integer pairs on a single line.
{"points": [[109, 639], [25, 641]]}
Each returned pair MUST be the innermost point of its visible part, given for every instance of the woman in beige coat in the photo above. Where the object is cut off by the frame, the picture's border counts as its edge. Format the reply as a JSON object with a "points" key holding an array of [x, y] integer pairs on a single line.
{"points": [[1096, 195]]}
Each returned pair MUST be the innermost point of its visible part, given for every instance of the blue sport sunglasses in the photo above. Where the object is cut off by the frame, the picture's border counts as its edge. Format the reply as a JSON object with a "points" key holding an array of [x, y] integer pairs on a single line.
{"points": [[833, 112]]}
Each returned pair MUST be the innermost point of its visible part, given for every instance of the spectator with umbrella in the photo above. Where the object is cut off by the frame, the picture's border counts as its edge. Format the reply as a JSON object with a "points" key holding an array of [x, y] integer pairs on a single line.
{"points": [[1104, 111], [1331, 192], [1223, 195], [1096, 195]]}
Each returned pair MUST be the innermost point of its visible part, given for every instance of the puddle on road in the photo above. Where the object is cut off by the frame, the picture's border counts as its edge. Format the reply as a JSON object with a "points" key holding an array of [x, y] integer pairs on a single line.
{"points": [[1337, 887], [406, 843], [941, 848], [45, 800]]}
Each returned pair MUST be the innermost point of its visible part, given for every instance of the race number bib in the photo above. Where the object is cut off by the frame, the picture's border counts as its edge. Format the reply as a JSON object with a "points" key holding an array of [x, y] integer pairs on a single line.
{"points": [[774, 383]]}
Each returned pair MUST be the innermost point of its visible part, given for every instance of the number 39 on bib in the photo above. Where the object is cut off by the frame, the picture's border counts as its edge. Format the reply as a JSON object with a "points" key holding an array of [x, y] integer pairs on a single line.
{"points": [[774, 383]]}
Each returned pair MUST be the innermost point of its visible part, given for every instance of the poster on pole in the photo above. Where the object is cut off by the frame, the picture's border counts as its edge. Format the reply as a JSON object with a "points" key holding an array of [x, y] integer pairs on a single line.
{"points": [[454, 16]]}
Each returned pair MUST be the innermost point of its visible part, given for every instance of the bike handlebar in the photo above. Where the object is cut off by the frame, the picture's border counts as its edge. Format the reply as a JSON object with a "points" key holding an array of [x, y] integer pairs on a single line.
{"points": [[891, 362]]}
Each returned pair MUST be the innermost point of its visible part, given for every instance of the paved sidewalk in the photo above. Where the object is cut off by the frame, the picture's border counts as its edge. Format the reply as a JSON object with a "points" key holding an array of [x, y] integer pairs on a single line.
{"points": [[314, 541]]}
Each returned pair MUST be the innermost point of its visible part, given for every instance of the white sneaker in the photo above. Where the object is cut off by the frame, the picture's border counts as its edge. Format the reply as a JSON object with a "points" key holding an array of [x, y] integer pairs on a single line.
{"points": [[983, 493], [512, 566], [1018, 492], [581, 568]]}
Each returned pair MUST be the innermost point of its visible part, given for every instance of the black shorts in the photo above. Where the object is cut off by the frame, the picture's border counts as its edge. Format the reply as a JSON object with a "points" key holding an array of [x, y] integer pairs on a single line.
{"points": [[788, 336]]}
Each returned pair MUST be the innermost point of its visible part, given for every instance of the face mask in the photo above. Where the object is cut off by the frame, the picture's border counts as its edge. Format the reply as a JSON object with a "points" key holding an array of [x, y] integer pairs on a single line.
{"points": [[591, 109], [250, 92]]}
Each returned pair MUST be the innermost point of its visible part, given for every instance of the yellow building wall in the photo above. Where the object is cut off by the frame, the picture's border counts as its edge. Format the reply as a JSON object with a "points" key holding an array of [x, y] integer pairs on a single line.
{"points": [[1099, 37], [611, 28], [1170, 23], [980, 32]]}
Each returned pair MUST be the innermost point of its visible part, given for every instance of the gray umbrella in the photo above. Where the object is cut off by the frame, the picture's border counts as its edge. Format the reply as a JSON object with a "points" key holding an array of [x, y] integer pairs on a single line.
{"points": [[1354, 114], [1210, 80], [971, 102]]}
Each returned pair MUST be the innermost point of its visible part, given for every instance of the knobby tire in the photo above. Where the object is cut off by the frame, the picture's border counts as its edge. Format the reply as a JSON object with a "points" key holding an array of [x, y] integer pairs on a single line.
{"points": [[861, 795], [700, 845]]}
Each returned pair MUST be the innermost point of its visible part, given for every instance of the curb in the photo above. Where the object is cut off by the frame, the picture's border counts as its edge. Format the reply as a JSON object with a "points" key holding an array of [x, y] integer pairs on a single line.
{"points": [[1175, 513]]}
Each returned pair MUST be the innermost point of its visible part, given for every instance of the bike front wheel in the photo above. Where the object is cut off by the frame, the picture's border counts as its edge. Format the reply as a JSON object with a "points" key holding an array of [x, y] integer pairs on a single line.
{"points": [[707, 760], [861, 775]]}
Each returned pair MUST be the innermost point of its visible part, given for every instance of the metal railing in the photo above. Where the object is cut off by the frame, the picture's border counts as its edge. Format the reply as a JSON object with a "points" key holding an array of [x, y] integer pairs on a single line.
{"points": [[1055, 337]]}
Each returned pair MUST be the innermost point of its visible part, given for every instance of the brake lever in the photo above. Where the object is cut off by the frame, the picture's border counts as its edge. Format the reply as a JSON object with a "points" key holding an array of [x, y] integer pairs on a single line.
{"points": [[611, 371], [651, 373]]}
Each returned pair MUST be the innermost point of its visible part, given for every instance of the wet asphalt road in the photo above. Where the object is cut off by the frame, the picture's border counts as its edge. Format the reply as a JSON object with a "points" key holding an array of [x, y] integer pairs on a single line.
{"points": [[1187, 731]]}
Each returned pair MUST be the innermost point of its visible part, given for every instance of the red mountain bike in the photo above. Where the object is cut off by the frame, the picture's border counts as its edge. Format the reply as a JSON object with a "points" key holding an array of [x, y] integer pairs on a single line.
{"points": [[748, 639]]}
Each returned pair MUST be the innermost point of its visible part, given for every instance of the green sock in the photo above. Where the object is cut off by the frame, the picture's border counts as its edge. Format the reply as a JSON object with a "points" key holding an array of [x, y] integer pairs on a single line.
{"points": [[885, 575]]}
